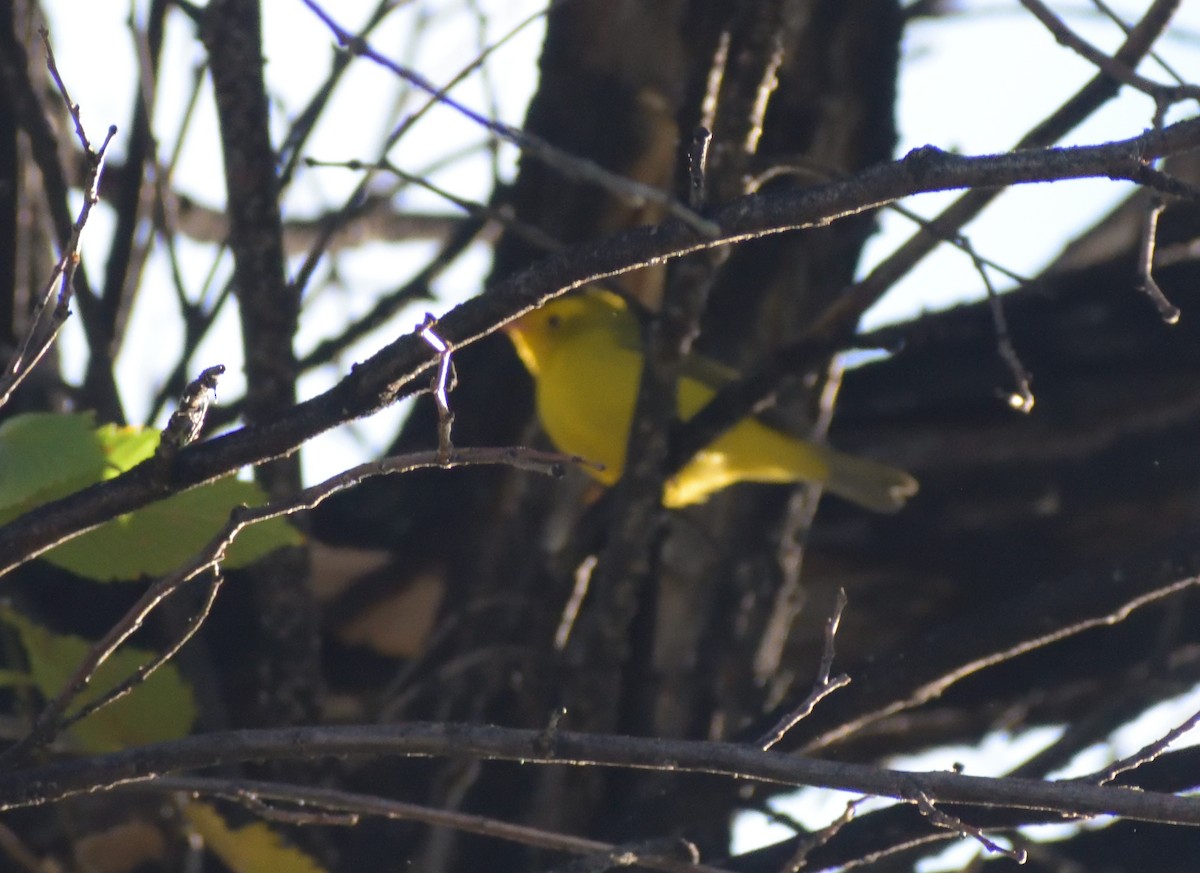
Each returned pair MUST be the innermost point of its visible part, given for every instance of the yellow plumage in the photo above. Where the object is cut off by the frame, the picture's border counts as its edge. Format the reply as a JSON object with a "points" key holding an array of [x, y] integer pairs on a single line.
{"points": [[584, 353]]}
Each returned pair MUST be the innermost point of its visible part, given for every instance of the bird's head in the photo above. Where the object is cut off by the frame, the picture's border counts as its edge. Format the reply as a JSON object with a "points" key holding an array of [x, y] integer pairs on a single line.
{"points": [[538, 333]]}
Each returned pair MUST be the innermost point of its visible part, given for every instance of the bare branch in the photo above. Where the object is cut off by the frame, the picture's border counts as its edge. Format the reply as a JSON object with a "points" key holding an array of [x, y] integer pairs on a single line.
{"points": [[442, 383], [42, 332], [1145, 754], [51, 782], [628, 190], [50, 720], [1108, 65], [392, 372], [822, 687], [950, 823], [310, 798]]}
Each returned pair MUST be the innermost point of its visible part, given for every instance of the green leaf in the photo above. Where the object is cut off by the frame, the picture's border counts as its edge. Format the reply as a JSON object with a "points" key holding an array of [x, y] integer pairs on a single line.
{"points": [[158, 538], [125, 447], [44, 456], [161, 708]]}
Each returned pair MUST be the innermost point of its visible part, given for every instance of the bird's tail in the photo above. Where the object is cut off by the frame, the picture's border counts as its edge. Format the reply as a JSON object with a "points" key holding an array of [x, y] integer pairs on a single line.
{"points": [[868, 483]]}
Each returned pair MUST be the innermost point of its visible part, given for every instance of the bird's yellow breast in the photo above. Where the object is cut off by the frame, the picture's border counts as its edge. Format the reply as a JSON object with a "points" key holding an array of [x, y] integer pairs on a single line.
{"points": [[585, 397]]}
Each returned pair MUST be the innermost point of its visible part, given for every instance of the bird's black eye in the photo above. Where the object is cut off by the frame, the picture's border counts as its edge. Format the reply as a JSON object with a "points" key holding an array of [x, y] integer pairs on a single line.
{"points": [[553, 322]]}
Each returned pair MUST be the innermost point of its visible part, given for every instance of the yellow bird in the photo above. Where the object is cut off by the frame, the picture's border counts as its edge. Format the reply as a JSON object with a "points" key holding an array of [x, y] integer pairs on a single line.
{"points": [[585, 355]]}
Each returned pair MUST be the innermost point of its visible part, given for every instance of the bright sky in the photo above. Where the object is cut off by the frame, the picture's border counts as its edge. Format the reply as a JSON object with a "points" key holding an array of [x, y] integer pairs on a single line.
{"points": [[977, 85]]}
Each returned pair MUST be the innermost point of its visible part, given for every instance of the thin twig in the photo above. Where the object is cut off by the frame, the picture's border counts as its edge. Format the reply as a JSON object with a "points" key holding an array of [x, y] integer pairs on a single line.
{"points": [[388, 304], [72, 106], [443, 382], [501, 216], [1166, 309], [626, 855], [51, 782], [811, 172], [393, 372], [570, 611], [145, 671], [254, 802], [822, 687], [1107, 64], [1021, 399], [50, 720], [627, 190], [801, 512], [38, 339], [951, 823], [1154, 208], [306, 121], [1126, 29], [336, 801], [1062, 120], [1144, 755], [441, 95], [819, 838]]}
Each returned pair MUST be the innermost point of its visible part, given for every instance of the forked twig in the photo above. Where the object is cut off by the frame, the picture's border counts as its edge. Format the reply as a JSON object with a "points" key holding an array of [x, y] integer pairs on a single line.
{"points": [[822, 688], [39, 338], [443, 382], [50, 720]]}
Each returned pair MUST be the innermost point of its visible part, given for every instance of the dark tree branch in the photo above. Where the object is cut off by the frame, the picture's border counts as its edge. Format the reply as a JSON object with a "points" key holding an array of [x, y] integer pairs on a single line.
{"points": [[269, 309], [126, 254], [52, 782], [392, 372], [31, 115], [209, 558], [314, 799]]}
